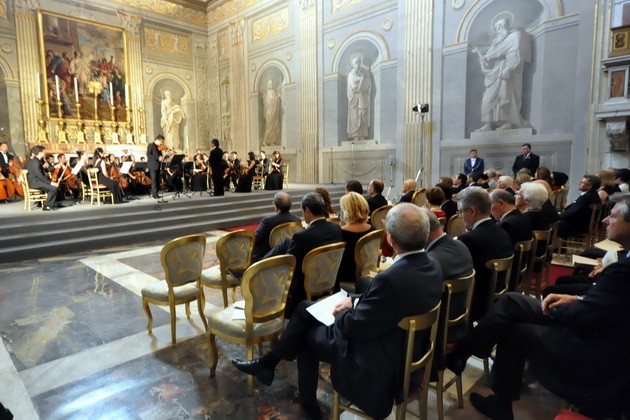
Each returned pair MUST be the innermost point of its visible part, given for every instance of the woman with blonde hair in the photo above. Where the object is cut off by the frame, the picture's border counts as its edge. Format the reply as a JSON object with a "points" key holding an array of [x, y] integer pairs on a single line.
{"points": [[355, 211], [608, 185]]}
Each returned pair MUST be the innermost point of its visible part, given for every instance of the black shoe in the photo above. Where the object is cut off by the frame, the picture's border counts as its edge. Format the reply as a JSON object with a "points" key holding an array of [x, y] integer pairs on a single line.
{"points": [[48, 208], [456, 361], [254, 368], [492, 406], [312, 411]]}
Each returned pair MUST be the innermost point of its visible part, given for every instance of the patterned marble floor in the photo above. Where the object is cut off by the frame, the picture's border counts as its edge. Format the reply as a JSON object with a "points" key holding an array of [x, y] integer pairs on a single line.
{"points": [[74, 345]]}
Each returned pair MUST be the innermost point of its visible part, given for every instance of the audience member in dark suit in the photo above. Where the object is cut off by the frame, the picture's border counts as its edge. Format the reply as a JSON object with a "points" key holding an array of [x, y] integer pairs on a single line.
{"points": [[364, 346], [476, 180], [282, 206], [485, 241], [550, 212], [376, 199], [37, 177], [459, 183], [508, 217], [574, 220], [505, 182], [530, 200], [409, 187], [449, 206], [527, 160], [473, 163], [319, 232], [576, 347], [217, 166]]}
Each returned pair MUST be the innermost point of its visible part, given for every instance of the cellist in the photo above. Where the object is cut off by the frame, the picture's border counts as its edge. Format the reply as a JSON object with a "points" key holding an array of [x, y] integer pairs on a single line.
{"points": [[38, 179]]}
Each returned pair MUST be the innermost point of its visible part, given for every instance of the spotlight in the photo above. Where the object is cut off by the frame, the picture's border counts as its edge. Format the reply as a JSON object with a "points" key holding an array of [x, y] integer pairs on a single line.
{"points": [[421, 108]]}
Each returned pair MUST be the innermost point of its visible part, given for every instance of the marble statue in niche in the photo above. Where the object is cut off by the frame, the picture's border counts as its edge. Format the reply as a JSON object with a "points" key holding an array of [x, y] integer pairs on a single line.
{"points": [[359, 93], [271, 104], [502, 65], [172, 116]]}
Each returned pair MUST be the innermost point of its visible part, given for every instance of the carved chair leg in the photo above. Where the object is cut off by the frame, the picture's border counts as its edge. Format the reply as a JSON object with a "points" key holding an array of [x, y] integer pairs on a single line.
{"points": [[214, 354], [439, 391], [173, 324], [147, 310], [188, 310]]}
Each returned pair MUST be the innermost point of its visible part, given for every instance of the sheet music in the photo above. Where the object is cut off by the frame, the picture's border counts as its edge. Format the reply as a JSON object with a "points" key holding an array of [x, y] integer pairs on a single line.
{"points": [[323, 309], [77, 167], [608, 245], [583, 260], [126, 166]]}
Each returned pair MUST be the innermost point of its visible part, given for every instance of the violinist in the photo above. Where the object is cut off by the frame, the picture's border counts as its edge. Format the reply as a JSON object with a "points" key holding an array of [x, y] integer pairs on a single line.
{"points": [[104, 176], [249, 170], [62, 174], [200, 174], [236, 170], [5, 159], [275, 178], [154, 159], [37, 178]]}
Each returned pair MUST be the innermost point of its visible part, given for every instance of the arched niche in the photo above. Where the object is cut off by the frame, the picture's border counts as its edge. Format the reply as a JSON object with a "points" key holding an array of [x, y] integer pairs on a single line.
{"points": [[281, 100], [181, 95]]}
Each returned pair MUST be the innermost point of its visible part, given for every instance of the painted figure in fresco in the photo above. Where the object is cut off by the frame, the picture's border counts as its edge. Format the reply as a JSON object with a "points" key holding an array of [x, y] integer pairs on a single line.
{"points": [[172, 116], [502, 66], [359, 94], [80, 68], [271, 102]]}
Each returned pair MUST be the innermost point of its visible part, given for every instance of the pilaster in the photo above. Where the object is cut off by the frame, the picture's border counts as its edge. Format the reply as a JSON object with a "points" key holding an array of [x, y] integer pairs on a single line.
{"points": [[308, 92], [239, 95]]}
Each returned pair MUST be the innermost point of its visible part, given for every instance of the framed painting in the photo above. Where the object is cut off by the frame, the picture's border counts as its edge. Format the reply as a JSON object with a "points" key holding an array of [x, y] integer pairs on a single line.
{"points": [[83, 67]]}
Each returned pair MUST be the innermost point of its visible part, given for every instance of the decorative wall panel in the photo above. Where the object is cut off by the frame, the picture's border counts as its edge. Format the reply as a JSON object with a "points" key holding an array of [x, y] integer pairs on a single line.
{"points": [[157, 40], [270, 25]]}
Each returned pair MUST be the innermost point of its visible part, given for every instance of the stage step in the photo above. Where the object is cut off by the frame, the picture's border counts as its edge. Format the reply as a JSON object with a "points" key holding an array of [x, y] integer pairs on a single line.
{"points": [[84, 227]]}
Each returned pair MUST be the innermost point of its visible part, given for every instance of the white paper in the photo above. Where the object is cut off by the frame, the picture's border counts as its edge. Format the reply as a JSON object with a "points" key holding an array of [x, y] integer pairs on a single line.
{"points": [[323, 309], [239, 304], [126, 166], [238, 315], [583, 260], [608, 245], [77, 167]]}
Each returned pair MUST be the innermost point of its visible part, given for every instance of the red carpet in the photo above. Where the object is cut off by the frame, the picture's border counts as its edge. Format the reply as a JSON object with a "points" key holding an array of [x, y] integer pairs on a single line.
{"points": [[246, 227], [556, 271]]}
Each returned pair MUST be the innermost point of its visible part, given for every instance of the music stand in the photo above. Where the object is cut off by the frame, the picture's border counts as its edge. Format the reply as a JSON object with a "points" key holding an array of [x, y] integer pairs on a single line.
{"points": [[176, 161]]}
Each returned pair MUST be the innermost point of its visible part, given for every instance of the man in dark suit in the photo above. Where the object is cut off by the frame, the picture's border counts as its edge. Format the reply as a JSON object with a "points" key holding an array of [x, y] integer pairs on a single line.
{"points": [[409, 187], [37, 177], [364, 346], [448, 205], [485, 241], [154, 160], [574, 220], [473, 163], [508, 217], [527, 160], [375, 198], [282, 205], [5, 159], [217, 167], [575, 346]]}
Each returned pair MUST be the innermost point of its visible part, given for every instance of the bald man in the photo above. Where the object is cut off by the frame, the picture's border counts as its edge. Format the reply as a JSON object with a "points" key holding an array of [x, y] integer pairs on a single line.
{"points": [[409, 187]]}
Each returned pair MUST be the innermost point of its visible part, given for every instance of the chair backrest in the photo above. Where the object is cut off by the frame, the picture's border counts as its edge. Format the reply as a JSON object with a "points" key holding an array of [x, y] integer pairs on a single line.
{"points": [[285, 173], [367, 253], [450, 318], [414, 325], [559, 198], [265, 288], [93, 177], [320, 268], [442, 221], [522, 256], [284, 231], [455, 226], [234, 250], [259, 169], [182, 259], [377, 219], [596, 212], [24, 178], [419, 197], [539, 247], [500, 268]]}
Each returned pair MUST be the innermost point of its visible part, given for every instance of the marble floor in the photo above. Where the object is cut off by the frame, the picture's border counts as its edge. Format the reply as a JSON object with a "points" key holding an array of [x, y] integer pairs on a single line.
{"points": [[74, 345]]}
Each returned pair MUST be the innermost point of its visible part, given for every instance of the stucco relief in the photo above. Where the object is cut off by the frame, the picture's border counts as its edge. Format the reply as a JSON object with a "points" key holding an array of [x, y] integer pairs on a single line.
{"points": [[3, 9], [270, 25], [212, 89], [168, 9], [26, 6], [168, 42], [338, 5], [131, 23], [228, 9], [236, 30]]}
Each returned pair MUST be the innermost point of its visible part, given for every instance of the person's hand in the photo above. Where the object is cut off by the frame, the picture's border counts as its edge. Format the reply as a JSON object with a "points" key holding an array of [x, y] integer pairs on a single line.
{"points": [[343, 305], [54, 184], [553, 301]]}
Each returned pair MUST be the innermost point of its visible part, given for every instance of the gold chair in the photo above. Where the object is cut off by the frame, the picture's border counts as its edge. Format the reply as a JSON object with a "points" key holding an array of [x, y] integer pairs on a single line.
{"points": [[285, 174], [536, 260], [31, 195], [265, 288], [520, 268], [412, 324], [258, 180], [98, 192], [419, 197], [577, 244], [320, 268], [367, 256], [377, 219], [559, 198], [284, 231], [442, 221], [182, 260], [234, 251], [455, 226], [448, 320], [501, 268]]}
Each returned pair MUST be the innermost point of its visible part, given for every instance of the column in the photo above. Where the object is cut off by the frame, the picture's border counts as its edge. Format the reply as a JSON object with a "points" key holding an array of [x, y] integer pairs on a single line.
{"points": [[238, 81], [131, 24], [308, 92]]}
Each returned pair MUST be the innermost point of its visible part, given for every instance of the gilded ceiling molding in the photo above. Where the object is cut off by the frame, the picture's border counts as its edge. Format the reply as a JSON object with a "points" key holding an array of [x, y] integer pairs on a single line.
{"points": [[228, 9], [26, 6], [3, 9], [168, 9], [338, 5], [163, 41], [81, 14], [270, 25], [131, 23], [237, 28]]}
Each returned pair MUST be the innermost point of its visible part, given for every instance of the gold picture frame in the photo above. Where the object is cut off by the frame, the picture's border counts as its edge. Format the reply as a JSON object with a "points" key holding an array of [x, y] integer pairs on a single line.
{"points": [[84, 66]]}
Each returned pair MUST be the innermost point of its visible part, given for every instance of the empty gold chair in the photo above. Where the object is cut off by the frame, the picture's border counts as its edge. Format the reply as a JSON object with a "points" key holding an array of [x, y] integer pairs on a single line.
{"points": [[320, 268], [377, 219], [182, 260], [98, 192], [413, 325], [520, 266], [367, 256], [265, 288], [258, 180], [234, 251], [455, 226], [284, 231], [419, 197], [31, 195], [285, 174]]}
